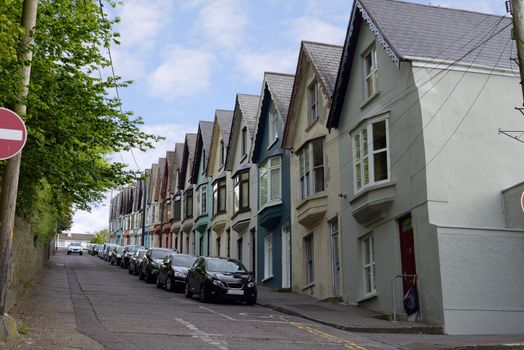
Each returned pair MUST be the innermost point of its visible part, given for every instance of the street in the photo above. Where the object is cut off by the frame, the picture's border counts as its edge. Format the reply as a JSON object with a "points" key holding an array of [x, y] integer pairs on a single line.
{"points": [[119, 311]]}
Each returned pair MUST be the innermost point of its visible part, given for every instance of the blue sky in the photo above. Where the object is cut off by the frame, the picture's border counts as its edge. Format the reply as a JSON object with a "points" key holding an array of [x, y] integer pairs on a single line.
{"points": [[190, 57]]}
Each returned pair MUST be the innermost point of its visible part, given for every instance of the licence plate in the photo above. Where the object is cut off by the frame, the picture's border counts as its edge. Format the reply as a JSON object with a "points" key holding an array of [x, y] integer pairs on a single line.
{"points": [[235, 292]]}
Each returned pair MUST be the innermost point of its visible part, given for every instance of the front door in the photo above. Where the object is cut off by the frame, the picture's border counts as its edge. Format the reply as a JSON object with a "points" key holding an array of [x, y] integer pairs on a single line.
{"points": [[335, 260], [286, 257], [407, 251]]}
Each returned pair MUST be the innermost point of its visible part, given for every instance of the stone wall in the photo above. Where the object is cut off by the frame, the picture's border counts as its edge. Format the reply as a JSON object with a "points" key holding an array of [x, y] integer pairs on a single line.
{"points": [[28, 256]]}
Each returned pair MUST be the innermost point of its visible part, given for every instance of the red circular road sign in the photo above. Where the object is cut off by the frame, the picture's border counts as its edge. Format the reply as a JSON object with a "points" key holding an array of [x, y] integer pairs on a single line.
{"points": [[522, 201], [13, 133]]}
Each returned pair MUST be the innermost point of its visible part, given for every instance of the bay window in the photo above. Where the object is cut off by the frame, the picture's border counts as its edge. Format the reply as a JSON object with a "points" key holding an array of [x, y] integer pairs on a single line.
{"points": [[202, 200], [270, 182], [311, 169], [241, 192], [371, 154]]}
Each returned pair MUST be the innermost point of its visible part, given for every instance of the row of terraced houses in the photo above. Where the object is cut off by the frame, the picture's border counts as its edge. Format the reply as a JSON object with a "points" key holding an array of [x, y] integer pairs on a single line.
{"points": [[377, 161]]}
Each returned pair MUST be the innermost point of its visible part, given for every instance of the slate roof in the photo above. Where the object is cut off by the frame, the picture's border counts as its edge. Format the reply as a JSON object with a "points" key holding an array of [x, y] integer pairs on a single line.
{"points": [[424, 31], [280, 85], [179, 150], [171, 164], [249, 106], [205, 131], [187, 158], [325, 59], [410, 31], [225, 119]]}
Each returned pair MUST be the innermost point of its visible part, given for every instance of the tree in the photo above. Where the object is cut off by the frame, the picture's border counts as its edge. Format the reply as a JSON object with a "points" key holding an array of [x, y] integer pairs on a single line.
{"points": [[100, 237], [74, 121]]}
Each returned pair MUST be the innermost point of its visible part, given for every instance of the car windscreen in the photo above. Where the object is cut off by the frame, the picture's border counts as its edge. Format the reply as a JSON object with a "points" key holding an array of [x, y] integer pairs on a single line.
{"points": [[183, 261], [120, 250], [159, 254], [220, 265]]}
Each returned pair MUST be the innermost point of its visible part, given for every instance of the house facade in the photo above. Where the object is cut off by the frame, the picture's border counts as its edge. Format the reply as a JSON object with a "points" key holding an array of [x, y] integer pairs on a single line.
{"points": [[314, 174], [186, 236], [220, 239], [202, 185], [177, 197], [424, 167], [273, 231], [242, 206]]}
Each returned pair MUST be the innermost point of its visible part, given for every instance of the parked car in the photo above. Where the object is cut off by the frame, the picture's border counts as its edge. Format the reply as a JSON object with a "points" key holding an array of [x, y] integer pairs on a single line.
{"points": [[116, 256], [151, 263], [95, 248], [108, 251], [172, 273], [135, 261], [74, 248], [128, 252], [221, 278]]}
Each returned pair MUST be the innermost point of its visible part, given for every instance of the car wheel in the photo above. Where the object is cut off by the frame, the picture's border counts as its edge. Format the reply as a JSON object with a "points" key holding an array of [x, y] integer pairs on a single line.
{"points": [[141, 275], [202, 295], [129, 271], [169, 284], [251, 301], [147, 277], [188, 293], [68, 253], [158, 284], [81, 253]]}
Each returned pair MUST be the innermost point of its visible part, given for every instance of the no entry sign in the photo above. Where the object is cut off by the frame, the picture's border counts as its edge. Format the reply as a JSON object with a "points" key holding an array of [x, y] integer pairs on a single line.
{"points": [[13, 133], [522, 201]]}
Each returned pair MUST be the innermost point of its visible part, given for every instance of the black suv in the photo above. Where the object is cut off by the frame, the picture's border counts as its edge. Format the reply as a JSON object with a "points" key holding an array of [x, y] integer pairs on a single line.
{"points": [[173, 271], [151, 263]]}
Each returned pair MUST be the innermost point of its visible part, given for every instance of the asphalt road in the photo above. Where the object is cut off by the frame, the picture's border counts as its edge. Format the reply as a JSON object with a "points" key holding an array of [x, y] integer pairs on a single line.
{"points": [[121, 312]]}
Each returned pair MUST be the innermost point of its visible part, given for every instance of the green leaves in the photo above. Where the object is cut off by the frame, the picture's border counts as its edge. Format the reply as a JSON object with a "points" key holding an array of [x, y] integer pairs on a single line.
{"points": [[73, 125]]}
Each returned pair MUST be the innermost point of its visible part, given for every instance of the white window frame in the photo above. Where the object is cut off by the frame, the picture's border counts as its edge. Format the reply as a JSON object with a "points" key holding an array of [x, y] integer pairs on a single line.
{"points": [[370, 73], [268, 256], [367, 153], [273, 126], [368, 268], [309, 247], [243, 141], [306, 181], [313, 98], [268, 168], [202, 200]]}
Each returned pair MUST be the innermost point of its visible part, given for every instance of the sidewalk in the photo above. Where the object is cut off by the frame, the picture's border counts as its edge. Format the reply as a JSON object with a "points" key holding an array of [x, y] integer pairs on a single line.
{"points": [[47, 312], [408, 335]]}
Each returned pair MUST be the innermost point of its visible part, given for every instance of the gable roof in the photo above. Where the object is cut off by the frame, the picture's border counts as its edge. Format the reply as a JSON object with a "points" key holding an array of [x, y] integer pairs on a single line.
{"points": [[276, 87], [203, 140], [187, 158], [246, 107], [160, 194], [179, 150], [224, 119], [171, 165], [324, 59], [411, 32]]}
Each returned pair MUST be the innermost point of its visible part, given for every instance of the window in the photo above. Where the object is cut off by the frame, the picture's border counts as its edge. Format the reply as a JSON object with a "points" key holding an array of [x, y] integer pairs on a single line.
{"points": [[370, 72], [308, 242], [269, 188], [202, 200], [311, 167], [371, 154], [222, 151], [268, 256], [219, 196], [189, 204], [368, 265], [239, 248], [313, 102], [241, 192], [177, 207], [244, 141], [273, 125]]}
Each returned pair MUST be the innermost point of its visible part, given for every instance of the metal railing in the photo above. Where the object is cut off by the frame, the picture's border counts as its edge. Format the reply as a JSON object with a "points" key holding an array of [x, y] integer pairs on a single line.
{"points": [[393, 296]]}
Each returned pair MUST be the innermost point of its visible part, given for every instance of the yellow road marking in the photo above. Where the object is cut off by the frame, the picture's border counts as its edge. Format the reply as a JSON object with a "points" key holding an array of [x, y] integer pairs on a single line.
{"points": [[347, 344]]}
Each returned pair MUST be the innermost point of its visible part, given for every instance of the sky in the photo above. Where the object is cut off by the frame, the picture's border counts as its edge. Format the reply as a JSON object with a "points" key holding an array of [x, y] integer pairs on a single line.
{"points": [[188, 58]]}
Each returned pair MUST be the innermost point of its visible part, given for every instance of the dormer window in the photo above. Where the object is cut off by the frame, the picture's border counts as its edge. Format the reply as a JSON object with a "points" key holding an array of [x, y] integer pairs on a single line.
{"points": [[370, 72], [273, 125], [313, 102], [222, 152], [244, 141]]}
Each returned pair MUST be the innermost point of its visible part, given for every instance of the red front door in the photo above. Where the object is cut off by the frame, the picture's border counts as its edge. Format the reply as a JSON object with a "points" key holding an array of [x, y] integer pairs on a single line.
{"points": [[407, 251]]}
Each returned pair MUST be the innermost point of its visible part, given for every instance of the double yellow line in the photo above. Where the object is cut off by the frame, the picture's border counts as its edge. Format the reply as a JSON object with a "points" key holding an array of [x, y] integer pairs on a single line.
{"points": [[347, 344]]}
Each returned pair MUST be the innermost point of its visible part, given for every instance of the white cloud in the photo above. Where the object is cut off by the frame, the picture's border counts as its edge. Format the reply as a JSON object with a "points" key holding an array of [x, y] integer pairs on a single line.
{"points": [[183, 72], [222, 22], [90, 222], [252, 65], [143, 20], [315, 29]]}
